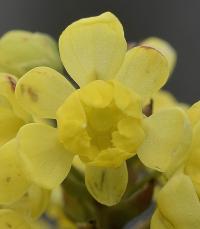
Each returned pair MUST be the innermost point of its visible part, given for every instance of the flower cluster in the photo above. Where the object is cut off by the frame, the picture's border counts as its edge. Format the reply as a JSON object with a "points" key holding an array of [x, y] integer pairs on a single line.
{"points": [[107, 113]]}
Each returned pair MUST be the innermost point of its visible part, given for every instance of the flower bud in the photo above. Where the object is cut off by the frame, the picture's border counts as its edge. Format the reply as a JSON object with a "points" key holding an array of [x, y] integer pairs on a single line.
{"points": [[20, 51]]}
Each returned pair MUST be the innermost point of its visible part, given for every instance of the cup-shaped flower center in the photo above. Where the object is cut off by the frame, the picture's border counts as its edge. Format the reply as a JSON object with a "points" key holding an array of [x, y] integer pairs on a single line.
{"points": [[102, 123]]}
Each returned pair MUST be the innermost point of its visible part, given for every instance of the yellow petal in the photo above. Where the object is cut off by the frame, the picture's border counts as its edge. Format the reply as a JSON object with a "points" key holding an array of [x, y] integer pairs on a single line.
{"points": [[129, 136], [42, 90], [78, 164], [9, 122], [11, 219], [93, 48], [13, 182], [33, 203], [127, 100], [197, 187], [168, 137], [159, 222], [106, 185], [110, 158], [162, 100], [194, 113], [71, 117], [144, 70], [192, 167], [44, 158], [165, 48], [100, 91], [7, 89], [7, 86], [178, 203]]}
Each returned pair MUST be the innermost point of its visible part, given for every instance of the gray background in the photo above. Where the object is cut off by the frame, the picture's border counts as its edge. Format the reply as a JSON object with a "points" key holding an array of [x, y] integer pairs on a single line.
{"points": [[177, 21]]}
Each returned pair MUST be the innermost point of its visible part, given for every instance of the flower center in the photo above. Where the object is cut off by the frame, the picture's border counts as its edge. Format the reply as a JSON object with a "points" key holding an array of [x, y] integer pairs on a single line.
{"points": [[102, 123]]}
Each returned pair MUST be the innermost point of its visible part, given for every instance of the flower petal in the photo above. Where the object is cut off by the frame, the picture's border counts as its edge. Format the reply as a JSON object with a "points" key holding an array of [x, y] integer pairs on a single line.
{"points": [[162, 100], [145, 70], [192, 167], [159, 222], [194, 113], [9, 122], [12, 219], [13, 182], [185, 212], [126, 100], [100, 91], [93, 48], [110, 158], [168, 137], [7, 89], [165, 48], [7, 86], [72, 120], [106, 185], [33, 203], [43, 157], [42, 90]]}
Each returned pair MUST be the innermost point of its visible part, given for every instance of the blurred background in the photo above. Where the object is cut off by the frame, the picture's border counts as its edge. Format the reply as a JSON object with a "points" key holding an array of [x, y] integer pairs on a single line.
{"points": [[177, 21]]}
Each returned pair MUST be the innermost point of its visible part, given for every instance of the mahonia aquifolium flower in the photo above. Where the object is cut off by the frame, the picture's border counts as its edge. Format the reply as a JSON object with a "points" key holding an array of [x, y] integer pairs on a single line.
{"points": [[13, 182], [102, 122], [96, 123], [26, 200], [192, 165], [15, 187], [182, 188], [178, 205], [20, 51], [16, 190]]}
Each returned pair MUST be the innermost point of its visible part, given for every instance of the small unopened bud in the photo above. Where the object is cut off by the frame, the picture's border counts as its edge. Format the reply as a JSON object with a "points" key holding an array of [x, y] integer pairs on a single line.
{"points": [[20, 51]]}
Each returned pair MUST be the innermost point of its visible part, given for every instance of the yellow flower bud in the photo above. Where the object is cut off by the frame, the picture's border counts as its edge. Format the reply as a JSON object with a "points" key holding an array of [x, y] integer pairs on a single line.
{"points": [[20, 51]]}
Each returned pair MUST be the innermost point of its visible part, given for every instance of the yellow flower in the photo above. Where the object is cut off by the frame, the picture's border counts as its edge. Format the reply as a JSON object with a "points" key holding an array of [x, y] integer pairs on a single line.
{"points": [[16, 190], [104, 119], [181, 189], [102, 122], [192, 165], [178, 206], [20, 51], [13, 182]]}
